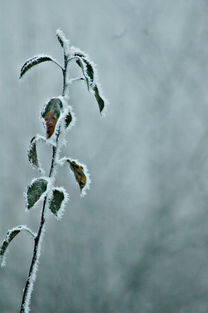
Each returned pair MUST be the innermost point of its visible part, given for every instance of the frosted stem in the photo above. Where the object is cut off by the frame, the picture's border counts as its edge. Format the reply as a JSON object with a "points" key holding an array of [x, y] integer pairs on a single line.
{"points": [[25, 305]]}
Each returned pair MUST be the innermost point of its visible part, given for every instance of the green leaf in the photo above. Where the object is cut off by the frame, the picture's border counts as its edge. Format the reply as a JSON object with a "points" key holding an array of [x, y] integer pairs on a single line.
{"points": [[32, 153], [87, 69], [59, 35], [89, 74], [100, 100], [35, 191], [68, 119], [64, 42], [34, 61], [56, 201], [51, 115], [10, 235]]}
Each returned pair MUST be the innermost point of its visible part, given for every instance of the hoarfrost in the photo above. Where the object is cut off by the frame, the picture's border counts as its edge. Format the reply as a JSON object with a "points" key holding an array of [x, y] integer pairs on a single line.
{"points": [[90, 73], [65, 43], [49, 182], [61, 211], [9, 237], [35, 61], [80, 169], [33, 157], [32, 276]]}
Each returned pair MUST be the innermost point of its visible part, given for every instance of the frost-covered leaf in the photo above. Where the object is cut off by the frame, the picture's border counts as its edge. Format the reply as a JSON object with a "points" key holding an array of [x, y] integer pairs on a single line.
{"points": [[34, 61], [64, 42], [32, 153], [87, 68], [35, 191], [79, 173], [68, 119], [59, 36], [58, 200], [51, 115], [89, 72], [82, 65], [100, 100], [11, 234]]}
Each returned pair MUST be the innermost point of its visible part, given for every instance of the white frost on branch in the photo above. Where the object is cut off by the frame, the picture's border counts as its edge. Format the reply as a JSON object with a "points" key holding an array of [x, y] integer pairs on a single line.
{"points": [[32, 276], [62, 161], [45, 140]]}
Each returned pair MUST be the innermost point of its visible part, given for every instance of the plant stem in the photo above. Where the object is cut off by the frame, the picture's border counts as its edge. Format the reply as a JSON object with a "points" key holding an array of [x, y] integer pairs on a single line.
{"points": [[37, 241], [36, 252]]}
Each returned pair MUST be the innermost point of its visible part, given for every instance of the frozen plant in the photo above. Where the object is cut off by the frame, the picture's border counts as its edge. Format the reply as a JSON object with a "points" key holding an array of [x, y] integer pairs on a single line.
{"points": [[58, 118]]}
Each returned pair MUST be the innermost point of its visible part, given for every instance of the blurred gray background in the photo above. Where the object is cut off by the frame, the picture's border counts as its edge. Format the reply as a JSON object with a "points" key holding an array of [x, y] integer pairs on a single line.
{"points": [[138, 242]]}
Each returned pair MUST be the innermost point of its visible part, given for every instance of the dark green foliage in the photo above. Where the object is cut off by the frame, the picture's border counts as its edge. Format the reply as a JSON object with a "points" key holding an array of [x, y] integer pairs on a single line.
{"points": [[68, 119], [32, 153], [89, 75], [59, 39], [87, 69], [10, 235], [35, 191], [32, 62], [56, 201], [99, 99]]}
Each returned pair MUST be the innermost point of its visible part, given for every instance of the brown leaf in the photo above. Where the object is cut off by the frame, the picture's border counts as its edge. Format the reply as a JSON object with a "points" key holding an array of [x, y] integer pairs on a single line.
{"points": [[78, 173], [51, 115]]}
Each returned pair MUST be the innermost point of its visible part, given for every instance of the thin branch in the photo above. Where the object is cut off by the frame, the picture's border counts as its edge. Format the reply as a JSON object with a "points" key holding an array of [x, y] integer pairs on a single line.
{"points": [[57, 63], [76, 79], [30, 232]]}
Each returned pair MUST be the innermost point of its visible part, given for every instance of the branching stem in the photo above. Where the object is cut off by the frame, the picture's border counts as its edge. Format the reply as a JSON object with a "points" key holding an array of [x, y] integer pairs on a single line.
{"points": [[37, 241], [80, 171]]}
